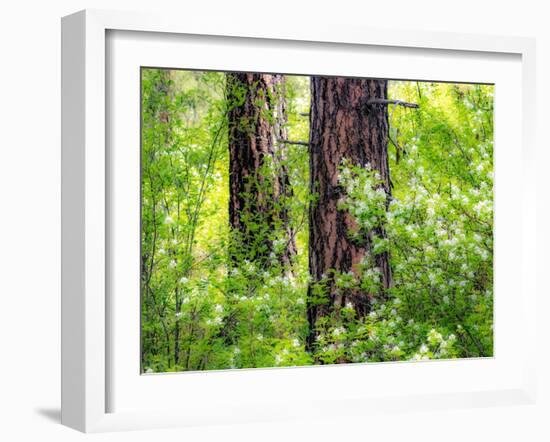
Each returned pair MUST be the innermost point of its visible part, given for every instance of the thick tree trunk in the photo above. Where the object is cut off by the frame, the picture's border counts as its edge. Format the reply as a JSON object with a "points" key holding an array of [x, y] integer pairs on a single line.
{"points": [[259, 184], [342, 127]]}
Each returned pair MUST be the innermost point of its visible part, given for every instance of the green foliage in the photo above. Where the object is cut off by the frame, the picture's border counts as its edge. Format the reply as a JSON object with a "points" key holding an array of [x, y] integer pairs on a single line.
{"points": [[208, 304]]}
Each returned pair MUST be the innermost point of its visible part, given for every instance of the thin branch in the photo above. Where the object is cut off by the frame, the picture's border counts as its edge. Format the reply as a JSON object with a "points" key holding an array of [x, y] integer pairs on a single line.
{"points": [[382, 101], [397, 146], [297, 143]]}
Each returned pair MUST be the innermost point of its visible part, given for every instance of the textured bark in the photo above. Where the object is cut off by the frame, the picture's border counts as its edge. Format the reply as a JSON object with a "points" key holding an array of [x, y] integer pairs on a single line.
{"points": [[258, 181], [342, 127]]}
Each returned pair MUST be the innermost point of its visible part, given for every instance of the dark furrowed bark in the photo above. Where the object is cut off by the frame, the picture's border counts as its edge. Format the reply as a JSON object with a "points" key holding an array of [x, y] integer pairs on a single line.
{"points": [[342, 127], [259, 183]]}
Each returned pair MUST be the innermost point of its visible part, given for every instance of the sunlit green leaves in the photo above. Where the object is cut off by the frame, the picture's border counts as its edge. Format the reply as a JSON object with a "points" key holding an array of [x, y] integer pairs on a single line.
{"points": [[217, 308]]}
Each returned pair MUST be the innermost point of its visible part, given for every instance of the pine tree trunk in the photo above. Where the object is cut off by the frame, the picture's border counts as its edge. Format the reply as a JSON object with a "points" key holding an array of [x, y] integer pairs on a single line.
{"points": [[342, 127], [259, 184]]}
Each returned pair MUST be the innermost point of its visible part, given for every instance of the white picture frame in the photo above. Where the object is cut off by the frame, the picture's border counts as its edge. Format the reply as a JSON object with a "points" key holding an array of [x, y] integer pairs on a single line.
{"points": [[86, 315]]}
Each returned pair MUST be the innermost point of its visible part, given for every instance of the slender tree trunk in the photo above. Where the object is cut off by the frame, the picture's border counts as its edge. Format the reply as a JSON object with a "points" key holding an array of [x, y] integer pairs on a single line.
{"points": [[259, 184], [177, 330], [342, 127], [166, 89]]}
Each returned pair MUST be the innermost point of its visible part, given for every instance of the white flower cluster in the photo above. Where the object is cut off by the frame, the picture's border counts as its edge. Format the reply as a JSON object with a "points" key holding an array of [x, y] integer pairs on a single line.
{"points": [[365, 197]]}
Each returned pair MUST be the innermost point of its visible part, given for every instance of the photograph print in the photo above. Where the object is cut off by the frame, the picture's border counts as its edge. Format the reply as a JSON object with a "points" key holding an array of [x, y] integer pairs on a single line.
{"points": [[293, 220]]}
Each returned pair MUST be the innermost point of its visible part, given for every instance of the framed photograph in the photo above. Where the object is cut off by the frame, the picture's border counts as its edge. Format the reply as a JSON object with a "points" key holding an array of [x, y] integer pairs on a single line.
{"points": [[292, 223]]}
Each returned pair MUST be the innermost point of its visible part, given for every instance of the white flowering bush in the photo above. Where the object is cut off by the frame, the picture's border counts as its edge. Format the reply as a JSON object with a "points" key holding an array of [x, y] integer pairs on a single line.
{"points": [[439, 226]]}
